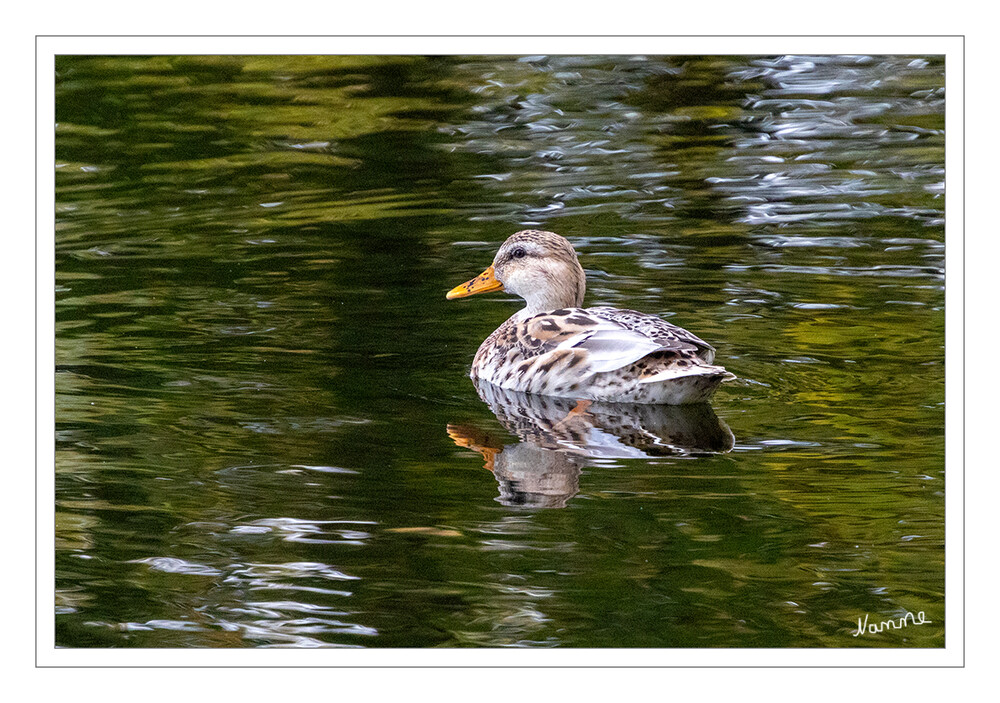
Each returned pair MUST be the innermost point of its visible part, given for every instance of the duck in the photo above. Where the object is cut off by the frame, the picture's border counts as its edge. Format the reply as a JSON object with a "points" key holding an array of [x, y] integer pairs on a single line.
{"points": [[554, 346]]}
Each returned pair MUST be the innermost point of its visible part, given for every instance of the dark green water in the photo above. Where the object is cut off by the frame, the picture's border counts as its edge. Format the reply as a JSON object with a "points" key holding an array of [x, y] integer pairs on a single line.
{"points": [[265, 431]]}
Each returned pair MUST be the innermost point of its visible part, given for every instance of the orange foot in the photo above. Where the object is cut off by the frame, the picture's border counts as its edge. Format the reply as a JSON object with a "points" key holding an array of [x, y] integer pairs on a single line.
{"points": [[578, 411]]}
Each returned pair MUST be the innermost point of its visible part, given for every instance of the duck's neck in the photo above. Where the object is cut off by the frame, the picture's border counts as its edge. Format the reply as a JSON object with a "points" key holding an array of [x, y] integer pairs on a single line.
{"points": [[564, 294]]}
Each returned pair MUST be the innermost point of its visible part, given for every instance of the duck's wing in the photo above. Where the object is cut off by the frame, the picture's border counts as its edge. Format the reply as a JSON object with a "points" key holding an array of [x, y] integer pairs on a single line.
{"points": [[668, 336], [610, 347], [607, 338]]}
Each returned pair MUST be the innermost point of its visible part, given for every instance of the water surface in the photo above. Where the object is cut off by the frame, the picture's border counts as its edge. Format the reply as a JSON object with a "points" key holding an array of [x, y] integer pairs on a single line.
{"points": [[265, 431]]}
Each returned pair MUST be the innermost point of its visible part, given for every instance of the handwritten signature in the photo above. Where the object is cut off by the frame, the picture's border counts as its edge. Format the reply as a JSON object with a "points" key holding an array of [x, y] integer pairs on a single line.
{"points": [[876, 628]]}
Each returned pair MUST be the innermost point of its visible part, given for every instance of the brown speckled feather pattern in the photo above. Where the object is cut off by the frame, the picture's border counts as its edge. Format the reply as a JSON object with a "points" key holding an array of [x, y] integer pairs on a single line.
{"points": [[537, 355]]}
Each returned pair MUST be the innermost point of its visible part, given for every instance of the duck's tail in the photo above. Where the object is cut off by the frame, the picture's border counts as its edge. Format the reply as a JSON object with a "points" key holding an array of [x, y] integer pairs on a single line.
{"points": [[680, 386]]}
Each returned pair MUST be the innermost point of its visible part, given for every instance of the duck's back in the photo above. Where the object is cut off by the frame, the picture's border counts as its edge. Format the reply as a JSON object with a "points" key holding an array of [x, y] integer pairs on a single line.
{"points": [[601, 354]]}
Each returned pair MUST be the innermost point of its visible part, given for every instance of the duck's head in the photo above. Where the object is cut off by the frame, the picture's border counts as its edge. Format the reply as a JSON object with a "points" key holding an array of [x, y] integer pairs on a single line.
{"points": [[539, 266]]}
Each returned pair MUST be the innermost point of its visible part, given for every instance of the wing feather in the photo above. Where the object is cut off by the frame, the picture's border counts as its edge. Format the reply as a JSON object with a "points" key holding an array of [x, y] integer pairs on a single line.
{"points": [[612, 338], [611, 347]]}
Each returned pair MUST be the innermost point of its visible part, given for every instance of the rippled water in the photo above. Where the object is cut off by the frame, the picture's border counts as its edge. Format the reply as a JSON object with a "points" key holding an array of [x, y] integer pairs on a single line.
{"points": [[266, 436]]}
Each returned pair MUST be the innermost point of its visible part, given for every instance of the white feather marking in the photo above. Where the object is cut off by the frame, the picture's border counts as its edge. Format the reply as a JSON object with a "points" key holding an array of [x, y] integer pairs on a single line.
{"points": [[611, 347], [672, 373]]}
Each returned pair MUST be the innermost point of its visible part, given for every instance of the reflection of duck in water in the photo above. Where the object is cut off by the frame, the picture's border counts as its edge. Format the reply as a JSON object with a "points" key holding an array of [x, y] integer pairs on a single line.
{"points": [[610, 430], [555, 347], [529, 475], [558, 435]]}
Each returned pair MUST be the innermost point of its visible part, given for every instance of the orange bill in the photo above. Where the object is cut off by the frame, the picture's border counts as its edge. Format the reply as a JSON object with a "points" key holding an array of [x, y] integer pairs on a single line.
{"points": [[483, 283]]}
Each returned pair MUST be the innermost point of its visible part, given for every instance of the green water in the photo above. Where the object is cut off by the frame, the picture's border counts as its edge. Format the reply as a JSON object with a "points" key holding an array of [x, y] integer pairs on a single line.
{"points": [[265, 430]]}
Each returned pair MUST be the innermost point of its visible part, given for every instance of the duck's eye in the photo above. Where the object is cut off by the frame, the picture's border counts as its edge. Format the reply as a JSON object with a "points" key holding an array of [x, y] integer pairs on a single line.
{"points": [[518, 253]]}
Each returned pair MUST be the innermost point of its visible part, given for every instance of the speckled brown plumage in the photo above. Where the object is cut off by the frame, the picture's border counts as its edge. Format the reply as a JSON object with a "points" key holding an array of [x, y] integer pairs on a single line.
{"points": [[555, 347]]}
